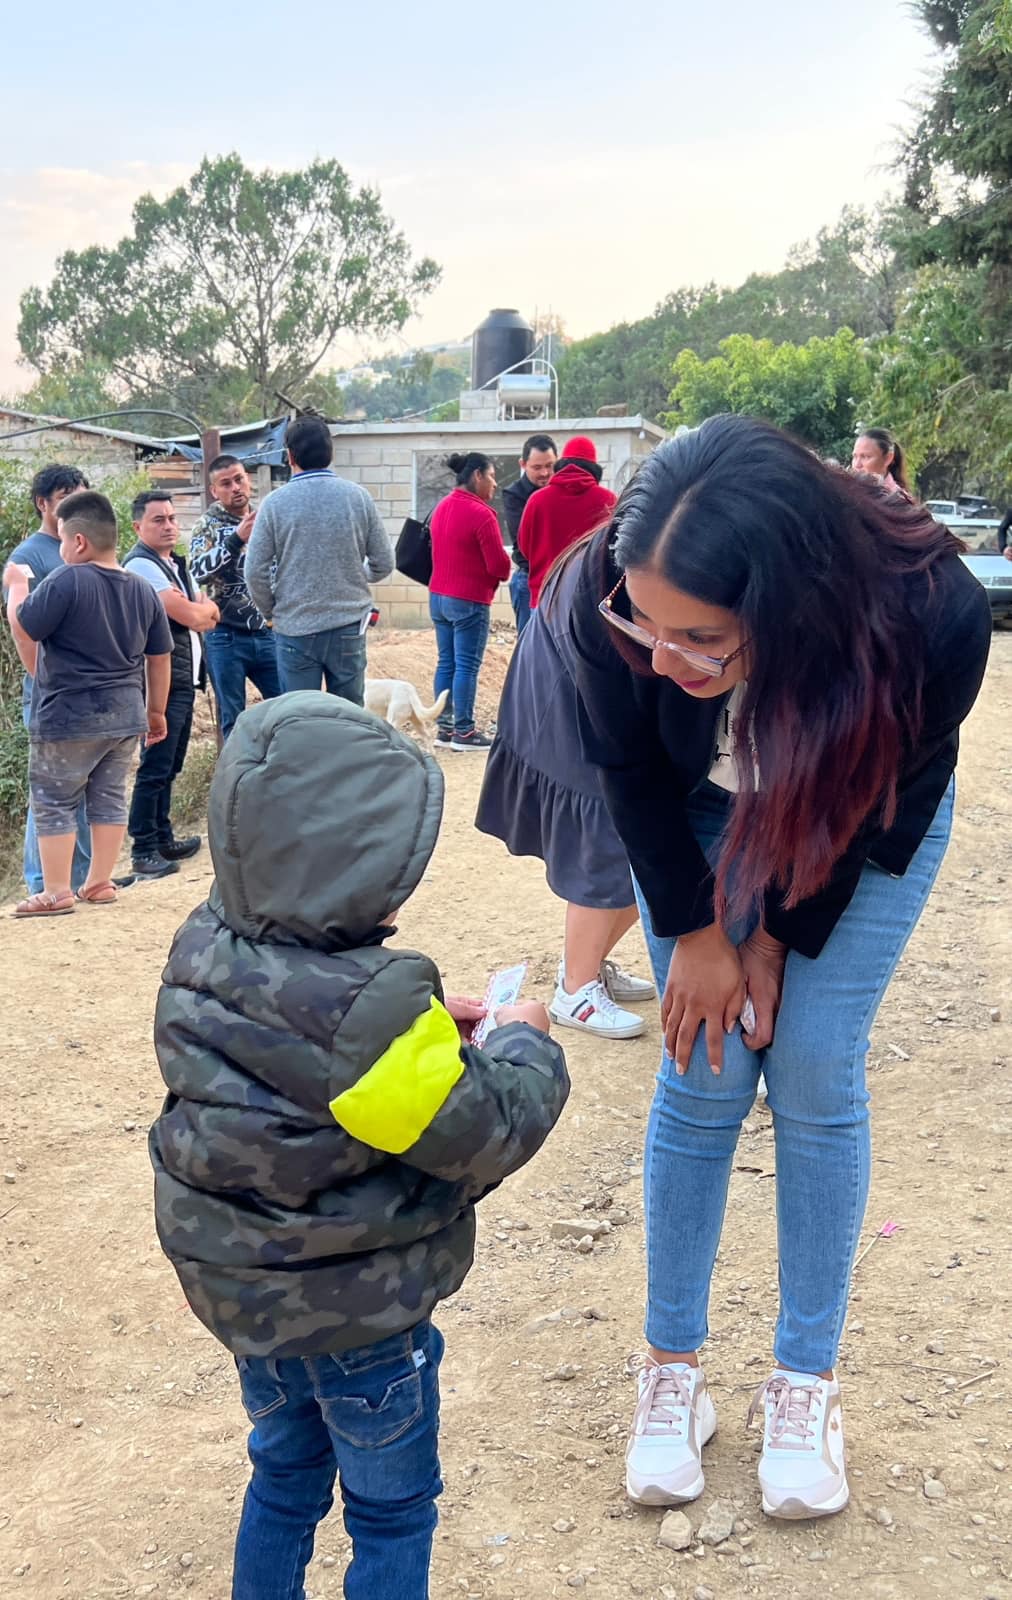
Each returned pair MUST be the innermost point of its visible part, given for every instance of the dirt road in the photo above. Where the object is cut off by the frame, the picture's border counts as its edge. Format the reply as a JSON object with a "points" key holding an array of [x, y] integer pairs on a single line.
{"points": [[123, 1438]]}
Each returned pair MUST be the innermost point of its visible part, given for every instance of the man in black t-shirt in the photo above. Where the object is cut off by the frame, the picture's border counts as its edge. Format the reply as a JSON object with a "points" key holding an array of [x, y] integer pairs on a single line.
{"points": [[90, 634]]}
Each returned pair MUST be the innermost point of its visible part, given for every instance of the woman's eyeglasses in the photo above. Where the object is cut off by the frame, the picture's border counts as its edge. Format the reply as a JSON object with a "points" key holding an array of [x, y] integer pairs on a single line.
{"points": [[711, 666]]}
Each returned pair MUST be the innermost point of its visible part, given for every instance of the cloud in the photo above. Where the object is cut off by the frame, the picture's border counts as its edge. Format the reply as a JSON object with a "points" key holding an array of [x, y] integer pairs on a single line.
{"points": [[48, 210]]}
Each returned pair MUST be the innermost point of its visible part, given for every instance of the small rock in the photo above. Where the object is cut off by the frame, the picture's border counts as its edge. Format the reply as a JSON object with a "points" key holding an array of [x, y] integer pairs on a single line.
{"points": [[701, 1592], [564, 1525], [77, 1422], [579, 1228], [717, 1523], [935, 1347], [995, 1013], [675, 1531], [576, 1580], [150, 1549], [997, 1464], [897, 1470], [884, 1517], [10, 1177], [595, 1314], [585, 1246], [129, 1127], [329, 1561], [186, 1559], [978, 1521], [564, 1373], [934, 1490]]}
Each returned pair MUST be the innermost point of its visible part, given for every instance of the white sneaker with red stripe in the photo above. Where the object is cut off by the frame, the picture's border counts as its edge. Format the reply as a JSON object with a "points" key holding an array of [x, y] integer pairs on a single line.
{"points": [[803, 1469], [593, 1010]]}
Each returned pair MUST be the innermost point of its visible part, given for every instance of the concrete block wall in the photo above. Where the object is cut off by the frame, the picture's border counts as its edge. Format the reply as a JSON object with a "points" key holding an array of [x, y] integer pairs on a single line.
{"points": [[381, 457]]}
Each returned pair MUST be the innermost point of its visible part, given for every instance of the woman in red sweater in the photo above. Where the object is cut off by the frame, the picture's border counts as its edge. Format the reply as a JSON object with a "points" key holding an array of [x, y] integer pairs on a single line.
{"points": [[571, 505], [469, 561]]}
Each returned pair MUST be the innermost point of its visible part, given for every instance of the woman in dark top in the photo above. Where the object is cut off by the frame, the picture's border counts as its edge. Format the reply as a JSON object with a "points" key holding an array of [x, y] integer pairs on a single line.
{"points": [[774, 658]]}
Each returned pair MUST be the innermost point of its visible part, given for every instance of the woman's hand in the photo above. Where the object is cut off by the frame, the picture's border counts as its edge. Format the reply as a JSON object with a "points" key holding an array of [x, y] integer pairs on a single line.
{"points": [[763, 959], [705, 988], [466, 1013]]}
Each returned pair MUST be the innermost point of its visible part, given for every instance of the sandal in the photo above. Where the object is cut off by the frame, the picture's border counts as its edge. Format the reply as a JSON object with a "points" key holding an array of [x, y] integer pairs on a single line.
{"points": [[45, 905], [100, 894]]}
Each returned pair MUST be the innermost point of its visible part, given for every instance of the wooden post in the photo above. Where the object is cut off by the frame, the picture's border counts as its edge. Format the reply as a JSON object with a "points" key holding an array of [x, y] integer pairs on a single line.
{"points": [[210, 444]]}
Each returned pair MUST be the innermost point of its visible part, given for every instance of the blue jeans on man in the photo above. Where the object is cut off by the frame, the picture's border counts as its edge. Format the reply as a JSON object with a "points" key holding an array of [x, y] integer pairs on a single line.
{"points": [[461, 636], [370, 1415], [32, 867], [232, 656], [520, 598], [334, 657]]}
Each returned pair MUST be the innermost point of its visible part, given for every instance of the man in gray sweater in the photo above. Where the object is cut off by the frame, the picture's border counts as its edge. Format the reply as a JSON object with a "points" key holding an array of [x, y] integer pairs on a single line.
{"points": [[316, 545]]}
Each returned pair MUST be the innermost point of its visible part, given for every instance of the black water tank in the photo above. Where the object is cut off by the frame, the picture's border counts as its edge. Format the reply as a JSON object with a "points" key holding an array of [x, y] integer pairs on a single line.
{"points": [[503, 339]]}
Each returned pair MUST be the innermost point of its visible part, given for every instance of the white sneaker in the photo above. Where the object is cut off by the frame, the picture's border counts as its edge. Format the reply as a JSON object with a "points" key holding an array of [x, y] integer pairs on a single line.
{"points": [[622, 985], [802, 1470], [593, 1010], [674, 1419]]}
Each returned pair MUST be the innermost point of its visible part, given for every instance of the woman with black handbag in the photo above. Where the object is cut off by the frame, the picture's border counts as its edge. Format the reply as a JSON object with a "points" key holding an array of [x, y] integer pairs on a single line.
{"points": [[469, 562]]}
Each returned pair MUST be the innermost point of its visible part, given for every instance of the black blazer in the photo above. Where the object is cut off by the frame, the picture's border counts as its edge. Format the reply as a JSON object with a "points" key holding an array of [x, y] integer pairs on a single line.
{"points": [[653, 744]]}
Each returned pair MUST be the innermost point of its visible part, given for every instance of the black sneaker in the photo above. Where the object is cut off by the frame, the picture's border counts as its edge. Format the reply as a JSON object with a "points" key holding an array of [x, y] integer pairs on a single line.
{"points": [[470, 741], [444, 737], [154, 866], [181, 849]]}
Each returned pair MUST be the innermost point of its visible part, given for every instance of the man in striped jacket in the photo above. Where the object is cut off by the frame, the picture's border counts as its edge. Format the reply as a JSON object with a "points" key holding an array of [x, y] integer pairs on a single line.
{"points": [[328, 1130]]}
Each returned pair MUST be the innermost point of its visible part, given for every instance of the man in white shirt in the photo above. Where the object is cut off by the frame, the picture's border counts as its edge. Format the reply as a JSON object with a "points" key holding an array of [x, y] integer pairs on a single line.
{"points": [[156, 852]]}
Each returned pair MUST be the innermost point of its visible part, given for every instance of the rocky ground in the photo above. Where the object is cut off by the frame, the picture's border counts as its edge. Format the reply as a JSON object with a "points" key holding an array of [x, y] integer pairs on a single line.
{"points": [[124, 1459]]}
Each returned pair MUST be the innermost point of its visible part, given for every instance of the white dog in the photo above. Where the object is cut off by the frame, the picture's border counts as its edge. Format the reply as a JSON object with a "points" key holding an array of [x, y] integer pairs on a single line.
{"points": [[399, 702]]}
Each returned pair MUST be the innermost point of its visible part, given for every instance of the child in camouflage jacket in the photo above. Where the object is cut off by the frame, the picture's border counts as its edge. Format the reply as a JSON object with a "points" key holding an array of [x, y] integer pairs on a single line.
{"points": [[327, 1132]]}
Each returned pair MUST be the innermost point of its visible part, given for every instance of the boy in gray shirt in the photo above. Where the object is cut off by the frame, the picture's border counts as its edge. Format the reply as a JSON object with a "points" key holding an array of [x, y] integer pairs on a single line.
{"points": [[316, 545]]}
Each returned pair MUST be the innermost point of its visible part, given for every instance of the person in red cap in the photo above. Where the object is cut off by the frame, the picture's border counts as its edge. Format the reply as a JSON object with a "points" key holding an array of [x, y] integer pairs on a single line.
{"points": [[571, 504]]}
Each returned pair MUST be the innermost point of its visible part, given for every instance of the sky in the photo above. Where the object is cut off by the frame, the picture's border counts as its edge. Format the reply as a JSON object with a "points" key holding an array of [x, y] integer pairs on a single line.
{"points": [[584, 159]]}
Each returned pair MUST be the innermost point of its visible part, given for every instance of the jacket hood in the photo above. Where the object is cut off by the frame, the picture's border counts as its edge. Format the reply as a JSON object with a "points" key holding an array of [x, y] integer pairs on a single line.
{"points": [[321, 822], [575, 477]]}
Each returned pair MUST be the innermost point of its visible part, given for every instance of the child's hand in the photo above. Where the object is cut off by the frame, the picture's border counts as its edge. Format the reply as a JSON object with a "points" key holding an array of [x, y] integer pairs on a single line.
{"points": [[466, 1013], [530, 1011]]}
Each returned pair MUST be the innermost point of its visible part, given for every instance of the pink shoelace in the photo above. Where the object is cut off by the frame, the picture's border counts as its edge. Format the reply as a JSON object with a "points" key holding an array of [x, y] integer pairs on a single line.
{"points": [[791, 1423], [664, 1402]]}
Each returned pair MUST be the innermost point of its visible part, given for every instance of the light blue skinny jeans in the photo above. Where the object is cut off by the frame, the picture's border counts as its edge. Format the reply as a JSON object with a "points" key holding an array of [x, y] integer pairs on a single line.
{"points": [[815, 1084]]}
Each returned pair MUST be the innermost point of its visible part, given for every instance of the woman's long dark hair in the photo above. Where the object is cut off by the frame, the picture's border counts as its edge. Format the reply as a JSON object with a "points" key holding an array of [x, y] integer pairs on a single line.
{"points": [[812, 560]]}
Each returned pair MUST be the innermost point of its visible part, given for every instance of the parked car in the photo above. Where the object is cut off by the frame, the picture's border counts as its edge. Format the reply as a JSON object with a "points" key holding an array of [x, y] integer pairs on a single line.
{"points": [[960, 516], [995, 573]]}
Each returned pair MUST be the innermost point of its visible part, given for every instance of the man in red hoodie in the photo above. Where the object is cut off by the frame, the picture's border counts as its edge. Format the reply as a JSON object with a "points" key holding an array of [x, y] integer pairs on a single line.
{"points": [[572, 504]]}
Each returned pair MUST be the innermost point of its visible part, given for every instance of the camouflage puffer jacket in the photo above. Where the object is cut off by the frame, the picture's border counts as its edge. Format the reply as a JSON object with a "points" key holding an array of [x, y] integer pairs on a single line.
{"points": [[326, 1136]]}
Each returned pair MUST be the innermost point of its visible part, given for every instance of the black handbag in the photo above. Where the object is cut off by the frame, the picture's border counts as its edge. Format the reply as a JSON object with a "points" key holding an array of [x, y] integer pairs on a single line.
{"points": [[413, 555]]}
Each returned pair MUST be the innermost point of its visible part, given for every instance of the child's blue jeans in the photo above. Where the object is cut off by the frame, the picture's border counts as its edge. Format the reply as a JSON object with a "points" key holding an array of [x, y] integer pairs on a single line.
{"points": [[372, 1416]]}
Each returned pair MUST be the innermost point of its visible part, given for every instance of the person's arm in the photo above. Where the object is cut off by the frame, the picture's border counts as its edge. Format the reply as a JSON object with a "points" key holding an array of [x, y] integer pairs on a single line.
{"points": [[260, 558], [379, 552], [214, 543], [513, 506], [157, 680], [33, 617], [645, 795], [493, 552], [467, 1116], [200, 615], [16, 580], [525, 529]]}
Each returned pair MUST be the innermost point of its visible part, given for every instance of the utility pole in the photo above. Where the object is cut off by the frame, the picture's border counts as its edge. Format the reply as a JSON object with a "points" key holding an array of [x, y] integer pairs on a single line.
{"points": [[210, 444]]}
